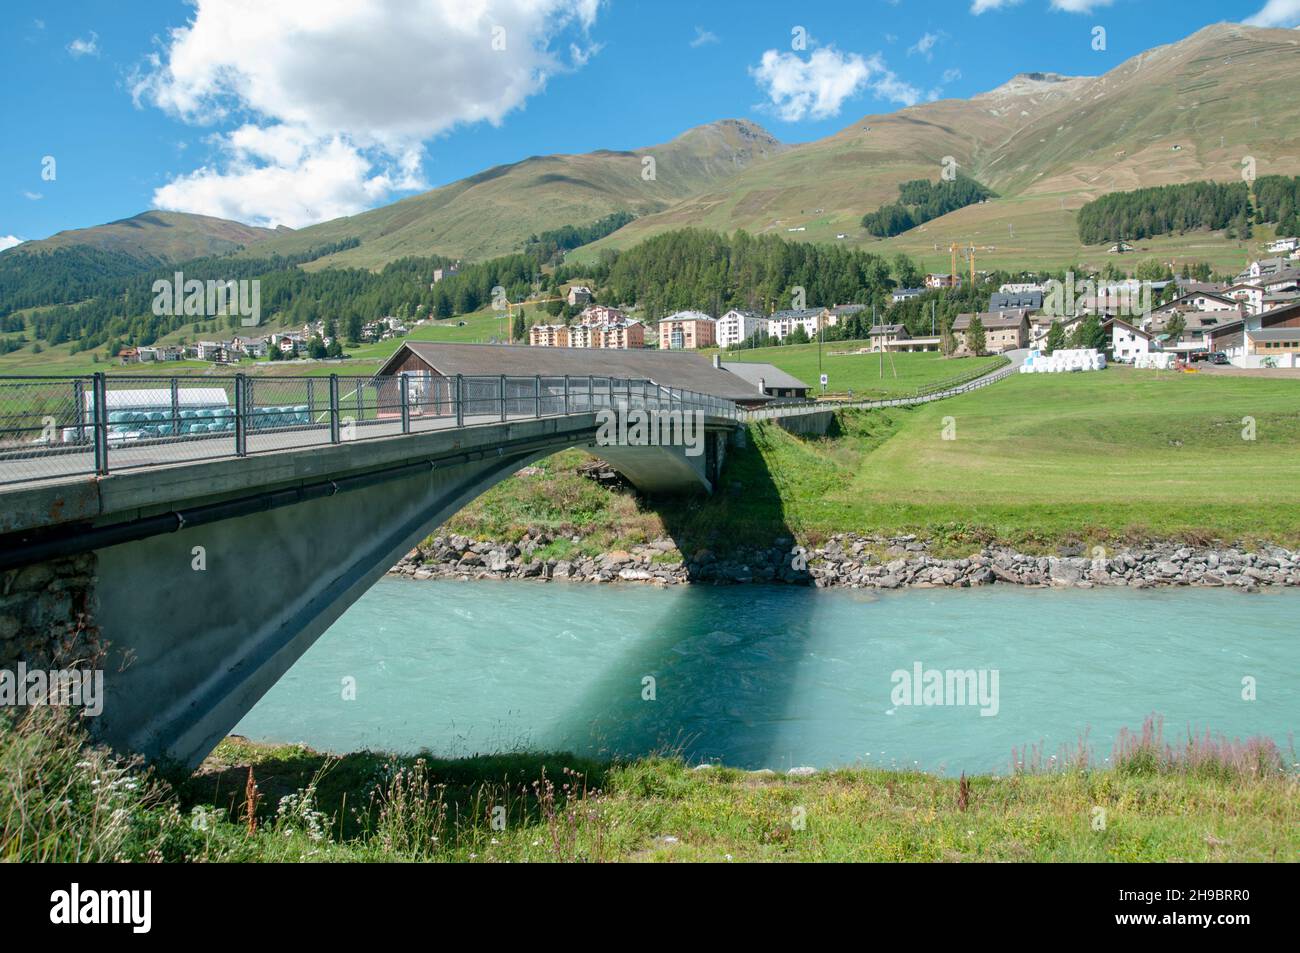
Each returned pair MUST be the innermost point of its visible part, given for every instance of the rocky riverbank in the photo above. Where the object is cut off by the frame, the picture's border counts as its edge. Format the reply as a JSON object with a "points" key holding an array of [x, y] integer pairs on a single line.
{"points": [[858, 562]]}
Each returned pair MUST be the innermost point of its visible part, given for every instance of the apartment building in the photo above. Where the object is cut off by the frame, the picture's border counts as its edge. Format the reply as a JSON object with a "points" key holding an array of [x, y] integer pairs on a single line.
{"points": [[737, 326], [687, 330]]}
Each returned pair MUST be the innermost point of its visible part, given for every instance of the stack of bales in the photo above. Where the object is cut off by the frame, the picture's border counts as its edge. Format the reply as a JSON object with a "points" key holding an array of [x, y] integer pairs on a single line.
{"points": [[1063, 361]]}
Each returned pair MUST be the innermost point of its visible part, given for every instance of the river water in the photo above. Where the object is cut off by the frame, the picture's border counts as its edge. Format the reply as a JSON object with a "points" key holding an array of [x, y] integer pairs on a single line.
{"points": [[780, 676]]}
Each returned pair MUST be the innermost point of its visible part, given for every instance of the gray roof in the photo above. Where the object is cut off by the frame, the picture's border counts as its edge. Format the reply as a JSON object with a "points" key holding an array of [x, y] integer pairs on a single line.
{"points": [[770, 374], [1189, 286], [1276, 334], [887, 329], [991, 319], [681, 369], [1003, 301], [1288, 274], [801, 314]]}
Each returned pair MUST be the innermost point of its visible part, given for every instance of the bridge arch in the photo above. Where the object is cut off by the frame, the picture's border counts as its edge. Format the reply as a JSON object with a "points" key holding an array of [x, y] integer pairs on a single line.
{"points": [[213, 579]]}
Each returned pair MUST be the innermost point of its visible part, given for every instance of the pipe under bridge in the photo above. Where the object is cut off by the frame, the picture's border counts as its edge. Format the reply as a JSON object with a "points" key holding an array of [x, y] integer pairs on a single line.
{"points": [[200, 533]]}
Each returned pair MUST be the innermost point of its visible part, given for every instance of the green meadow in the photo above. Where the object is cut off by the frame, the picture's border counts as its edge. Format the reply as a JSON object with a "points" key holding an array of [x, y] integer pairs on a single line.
{"points": [[1034, 461], [867, 376]]}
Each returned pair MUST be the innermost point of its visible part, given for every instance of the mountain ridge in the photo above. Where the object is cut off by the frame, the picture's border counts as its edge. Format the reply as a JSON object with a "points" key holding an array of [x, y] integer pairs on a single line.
{"points": [[156, 235], [494, 212], [1045, 142]]}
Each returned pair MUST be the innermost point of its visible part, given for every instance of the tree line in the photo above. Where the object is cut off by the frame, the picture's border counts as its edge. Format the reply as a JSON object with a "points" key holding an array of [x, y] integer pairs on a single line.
{"points": [[30, 279], [1277, 199], [549, 247], [1166, 209], [921, 200]]}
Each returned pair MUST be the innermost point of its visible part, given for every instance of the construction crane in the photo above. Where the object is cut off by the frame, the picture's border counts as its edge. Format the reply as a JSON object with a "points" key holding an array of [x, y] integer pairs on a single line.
{"points": [[969, 251]]}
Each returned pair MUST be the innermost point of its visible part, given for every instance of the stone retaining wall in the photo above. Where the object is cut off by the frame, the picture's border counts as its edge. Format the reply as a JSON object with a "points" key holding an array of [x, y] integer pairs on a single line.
{"points": [[861, 562]]}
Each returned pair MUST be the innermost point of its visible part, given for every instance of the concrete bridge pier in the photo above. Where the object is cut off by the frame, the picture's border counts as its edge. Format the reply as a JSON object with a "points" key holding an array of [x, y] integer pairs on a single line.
{"points": [[210, 580]]}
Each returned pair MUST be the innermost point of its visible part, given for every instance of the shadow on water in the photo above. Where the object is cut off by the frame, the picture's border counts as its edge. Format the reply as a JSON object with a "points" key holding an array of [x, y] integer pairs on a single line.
{"points": [[710, 679]]}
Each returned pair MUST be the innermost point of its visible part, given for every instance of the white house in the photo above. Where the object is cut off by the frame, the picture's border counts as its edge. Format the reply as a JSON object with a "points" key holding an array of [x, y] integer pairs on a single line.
{"points": [[209, 350], [782, 323], [1128, 342], [1250, 295], [737, 326]]}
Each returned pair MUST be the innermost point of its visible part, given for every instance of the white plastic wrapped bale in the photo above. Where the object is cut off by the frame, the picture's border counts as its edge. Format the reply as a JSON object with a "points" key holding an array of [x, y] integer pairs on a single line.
{"points": [[1068, 360]]}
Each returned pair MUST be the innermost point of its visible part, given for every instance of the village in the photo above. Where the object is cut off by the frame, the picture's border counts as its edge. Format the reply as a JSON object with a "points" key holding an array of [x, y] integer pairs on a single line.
{"points": [[1248, 322]]}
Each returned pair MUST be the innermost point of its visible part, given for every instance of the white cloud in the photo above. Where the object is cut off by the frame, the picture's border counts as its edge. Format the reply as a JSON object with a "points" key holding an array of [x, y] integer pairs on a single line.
{"points": [[1276, 13], [86, 47], [9, 241], [337, 99], [703, 37], [33, 196], [816, 87], [983, 6], [272, 176], [924, 45], [1080, 6], [951, 75]]}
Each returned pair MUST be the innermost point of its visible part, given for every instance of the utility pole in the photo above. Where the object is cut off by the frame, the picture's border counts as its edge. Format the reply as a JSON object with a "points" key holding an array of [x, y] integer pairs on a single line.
{"points": [[820, 325], [881, 352]]}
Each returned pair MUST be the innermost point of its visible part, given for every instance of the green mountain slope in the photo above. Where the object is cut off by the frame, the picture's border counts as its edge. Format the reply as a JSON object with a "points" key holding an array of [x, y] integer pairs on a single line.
{"points": [[155, 236], [1046, 143], [494, 212]]}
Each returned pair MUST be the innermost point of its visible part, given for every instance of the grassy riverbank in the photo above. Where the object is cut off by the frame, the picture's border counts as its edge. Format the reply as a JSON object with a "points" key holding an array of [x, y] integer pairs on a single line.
{"points": [[1200, 802], [1112, 458]]}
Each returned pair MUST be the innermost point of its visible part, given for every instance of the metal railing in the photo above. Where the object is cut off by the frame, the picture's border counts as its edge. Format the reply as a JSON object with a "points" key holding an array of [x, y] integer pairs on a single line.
{"points": [[52, 427], [921, 396]]}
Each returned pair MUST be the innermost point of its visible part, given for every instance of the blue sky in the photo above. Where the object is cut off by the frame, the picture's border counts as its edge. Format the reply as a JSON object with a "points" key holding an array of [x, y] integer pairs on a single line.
{"points": [[273, 111]]}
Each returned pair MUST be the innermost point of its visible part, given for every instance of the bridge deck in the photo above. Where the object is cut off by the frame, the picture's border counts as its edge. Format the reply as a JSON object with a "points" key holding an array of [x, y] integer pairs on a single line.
{"points": [[373, 409]]}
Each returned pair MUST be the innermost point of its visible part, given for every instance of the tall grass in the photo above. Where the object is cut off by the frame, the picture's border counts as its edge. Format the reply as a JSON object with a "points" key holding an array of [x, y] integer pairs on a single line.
{"points": [[1145, 752], [65, 800]]}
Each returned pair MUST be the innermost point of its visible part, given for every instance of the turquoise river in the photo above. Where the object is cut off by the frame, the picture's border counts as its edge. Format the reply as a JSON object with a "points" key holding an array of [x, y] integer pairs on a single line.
{"points": [[759, 676]]}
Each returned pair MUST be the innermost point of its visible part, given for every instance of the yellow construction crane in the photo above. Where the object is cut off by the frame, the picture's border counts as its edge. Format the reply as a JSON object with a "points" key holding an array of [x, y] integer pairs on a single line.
{"points": [[953, 249]]}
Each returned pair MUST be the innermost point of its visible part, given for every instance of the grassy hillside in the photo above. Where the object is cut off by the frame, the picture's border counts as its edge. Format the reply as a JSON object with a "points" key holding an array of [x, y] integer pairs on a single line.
{"points": [[1101, 458], [1046, 144], [494, 212], [157, 236]]}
